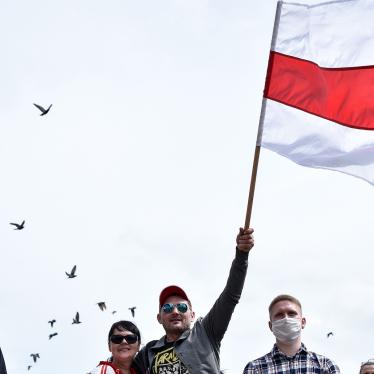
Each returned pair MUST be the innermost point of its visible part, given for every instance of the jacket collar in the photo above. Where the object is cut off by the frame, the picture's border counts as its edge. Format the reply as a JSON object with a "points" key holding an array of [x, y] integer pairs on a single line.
{"points": [[162, 342]]}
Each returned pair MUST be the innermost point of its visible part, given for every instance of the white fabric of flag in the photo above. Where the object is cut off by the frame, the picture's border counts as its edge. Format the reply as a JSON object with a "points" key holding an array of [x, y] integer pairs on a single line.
{"points": [[335, 37]]}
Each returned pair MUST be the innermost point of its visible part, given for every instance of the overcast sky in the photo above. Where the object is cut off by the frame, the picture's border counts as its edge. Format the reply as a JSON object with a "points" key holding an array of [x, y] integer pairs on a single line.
{"points": [[139, 175]]}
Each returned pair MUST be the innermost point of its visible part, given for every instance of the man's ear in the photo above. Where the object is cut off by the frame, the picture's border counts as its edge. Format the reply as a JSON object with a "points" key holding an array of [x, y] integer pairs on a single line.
{"points": [[158, 317], [192, 316], [303, 322], [270, 326]]}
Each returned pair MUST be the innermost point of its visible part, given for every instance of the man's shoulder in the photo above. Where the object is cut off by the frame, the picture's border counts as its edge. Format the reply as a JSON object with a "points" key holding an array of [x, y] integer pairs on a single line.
{"points": [[262, 361], [149, 345], [324, 362], [141, 359]]}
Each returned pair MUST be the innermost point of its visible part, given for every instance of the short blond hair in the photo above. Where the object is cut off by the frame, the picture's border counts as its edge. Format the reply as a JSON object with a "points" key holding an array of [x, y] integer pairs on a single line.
{"points": [[282, 298]]}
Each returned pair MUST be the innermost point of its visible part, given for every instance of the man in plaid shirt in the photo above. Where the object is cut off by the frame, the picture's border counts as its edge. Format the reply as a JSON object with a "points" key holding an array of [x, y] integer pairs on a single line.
{"points": [[289, 355]]}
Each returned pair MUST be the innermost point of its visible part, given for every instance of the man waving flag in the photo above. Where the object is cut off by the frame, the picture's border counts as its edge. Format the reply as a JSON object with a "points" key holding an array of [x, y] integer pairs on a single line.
{"points": [[318, 107]]}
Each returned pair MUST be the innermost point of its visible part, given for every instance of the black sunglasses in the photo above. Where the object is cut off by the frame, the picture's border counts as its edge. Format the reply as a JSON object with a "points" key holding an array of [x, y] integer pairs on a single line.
{"points": [[169, 307], [129, 339]]}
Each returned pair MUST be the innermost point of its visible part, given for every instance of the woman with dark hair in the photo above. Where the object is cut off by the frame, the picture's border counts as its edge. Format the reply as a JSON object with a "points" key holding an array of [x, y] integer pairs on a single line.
{"points": [[123, 342]]}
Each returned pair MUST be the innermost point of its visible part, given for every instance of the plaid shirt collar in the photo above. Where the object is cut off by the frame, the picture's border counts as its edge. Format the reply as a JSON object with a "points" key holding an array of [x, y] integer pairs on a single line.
{"points": [[276, 352]]}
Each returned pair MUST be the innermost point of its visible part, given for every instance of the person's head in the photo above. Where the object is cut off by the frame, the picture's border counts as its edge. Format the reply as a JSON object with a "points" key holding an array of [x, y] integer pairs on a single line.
{"points": [[123, 341], [175, 311], [367, 367], [285, 318]]}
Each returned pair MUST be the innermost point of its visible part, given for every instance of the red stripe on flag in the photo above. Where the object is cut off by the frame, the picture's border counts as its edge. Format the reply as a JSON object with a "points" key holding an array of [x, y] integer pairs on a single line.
{"points": [[342, 95]]}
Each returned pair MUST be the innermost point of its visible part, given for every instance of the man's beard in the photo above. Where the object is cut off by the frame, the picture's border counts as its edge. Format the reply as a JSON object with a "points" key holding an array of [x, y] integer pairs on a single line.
{"points": [[178, 330]]}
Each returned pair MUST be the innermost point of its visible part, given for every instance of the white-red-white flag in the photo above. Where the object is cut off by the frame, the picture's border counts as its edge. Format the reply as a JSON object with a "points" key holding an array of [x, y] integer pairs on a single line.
{"points": [[318, 105]]}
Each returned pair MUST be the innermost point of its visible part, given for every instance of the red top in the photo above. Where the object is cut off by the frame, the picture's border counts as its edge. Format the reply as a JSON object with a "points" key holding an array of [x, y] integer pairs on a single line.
{"points": [[105, 364]]}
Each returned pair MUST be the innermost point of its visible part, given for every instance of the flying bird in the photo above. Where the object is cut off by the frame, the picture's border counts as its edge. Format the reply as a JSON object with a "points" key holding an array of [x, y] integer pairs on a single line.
{"points": [[72, 273], [52, 335], [52, 322], [29, 367], [101, 305], [133, 311], [114, 312], [18, 226], [76, 319], [34, 356], [330, 334], [44, 111]]}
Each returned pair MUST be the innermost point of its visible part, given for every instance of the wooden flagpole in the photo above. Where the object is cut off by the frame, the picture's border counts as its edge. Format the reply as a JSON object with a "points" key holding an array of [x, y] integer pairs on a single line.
{"points": [[256, 159], [256, 156], [252, 187]]}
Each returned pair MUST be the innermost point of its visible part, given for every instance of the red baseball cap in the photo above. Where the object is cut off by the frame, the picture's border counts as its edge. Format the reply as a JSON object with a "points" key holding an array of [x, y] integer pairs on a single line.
{"points": [[172, 291]]}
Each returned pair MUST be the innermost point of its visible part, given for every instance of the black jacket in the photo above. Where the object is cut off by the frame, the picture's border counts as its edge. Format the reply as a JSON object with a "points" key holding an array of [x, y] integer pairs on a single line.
{"points": [[2, 364]]}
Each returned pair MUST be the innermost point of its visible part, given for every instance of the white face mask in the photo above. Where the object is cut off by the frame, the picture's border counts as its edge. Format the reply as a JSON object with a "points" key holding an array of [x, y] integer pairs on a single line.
{"points": [[286, 329]]}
